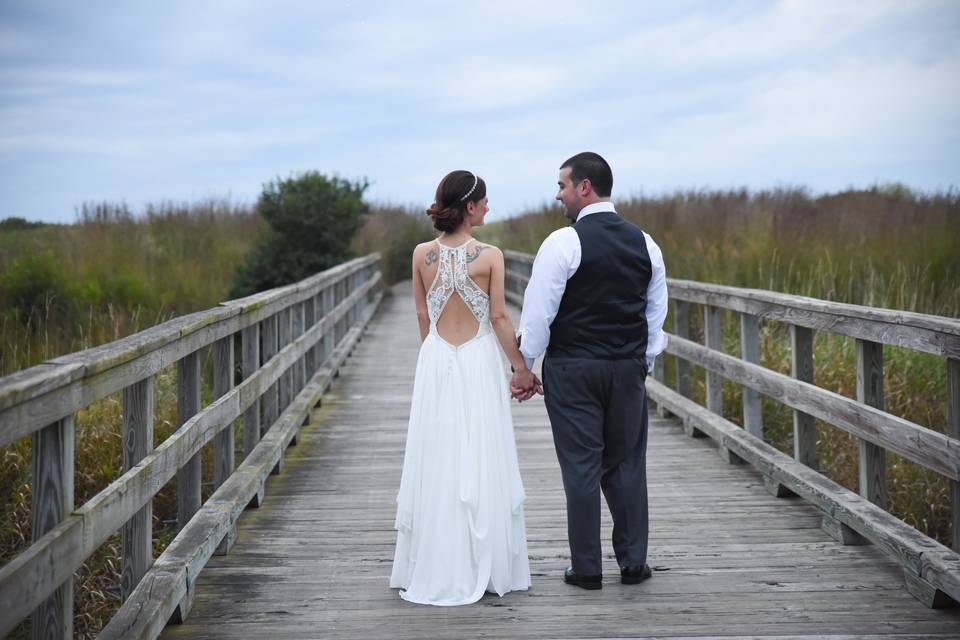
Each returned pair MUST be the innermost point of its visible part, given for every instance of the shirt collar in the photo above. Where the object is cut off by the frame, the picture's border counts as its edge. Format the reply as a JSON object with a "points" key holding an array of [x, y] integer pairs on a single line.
{"points": [[596, 207]]}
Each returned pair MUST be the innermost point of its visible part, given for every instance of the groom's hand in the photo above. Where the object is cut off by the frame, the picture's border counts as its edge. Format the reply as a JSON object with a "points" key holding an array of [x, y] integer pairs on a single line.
{"points": [[524, 384]]}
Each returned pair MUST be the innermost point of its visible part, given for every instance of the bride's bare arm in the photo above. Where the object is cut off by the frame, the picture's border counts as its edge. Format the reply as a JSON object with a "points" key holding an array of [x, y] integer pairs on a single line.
{"points": [[500, 316], [420, 295]]}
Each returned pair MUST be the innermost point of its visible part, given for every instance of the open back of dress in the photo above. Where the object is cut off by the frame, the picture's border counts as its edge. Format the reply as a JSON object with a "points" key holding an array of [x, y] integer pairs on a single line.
{"points": [[459, 309]]}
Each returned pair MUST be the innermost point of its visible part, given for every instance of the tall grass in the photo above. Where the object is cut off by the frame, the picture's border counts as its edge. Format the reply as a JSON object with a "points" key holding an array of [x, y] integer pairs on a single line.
{"points": [[885, 247]]}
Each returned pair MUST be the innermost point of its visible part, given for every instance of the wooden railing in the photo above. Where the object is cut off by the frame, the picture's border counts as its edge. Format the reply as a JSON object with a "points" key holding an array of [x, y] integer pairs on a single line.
{"points": [[931, 570], [292, 340]]}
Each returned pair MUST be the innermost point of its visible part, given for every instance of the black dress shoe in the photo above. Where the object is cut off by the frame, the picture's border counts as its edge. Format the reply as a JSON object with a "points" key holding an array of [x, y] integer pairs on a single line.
{"points": [[635, 575], [584, 582]]}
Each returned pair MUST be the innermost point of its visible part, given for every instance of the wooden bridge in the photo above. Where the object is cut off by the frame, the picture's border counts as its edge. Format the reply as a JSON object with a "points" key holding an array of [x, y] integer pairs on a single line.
{"points": [[297, 541]]}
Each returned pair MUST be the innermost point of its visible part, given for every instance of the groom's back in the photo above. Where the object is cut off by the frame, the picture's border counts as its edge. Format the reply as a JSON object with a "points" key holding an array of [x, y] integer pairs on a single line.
{"points": [[603, 310]]}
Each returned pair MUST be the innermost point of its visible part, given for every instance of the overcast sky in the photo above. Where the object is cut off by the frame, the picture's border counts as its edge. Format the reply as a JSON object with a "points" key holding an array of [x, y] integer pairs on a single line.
{"points": [[146, 102]]}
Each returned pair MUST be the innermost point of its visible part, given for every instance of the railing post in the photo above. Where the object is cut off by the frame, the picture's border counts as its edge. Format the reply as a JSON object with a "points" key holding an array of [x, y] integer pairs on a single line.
{"points": [[329, 338], [299, 311], [286, 378], [309, 319], [713, 338], [250, 344], [188, 405], [52, 477], [873, 476], [681, 328], [801, 368], [953, 430], [222, 383], [750, 352], [268, 332], [136, 538]]}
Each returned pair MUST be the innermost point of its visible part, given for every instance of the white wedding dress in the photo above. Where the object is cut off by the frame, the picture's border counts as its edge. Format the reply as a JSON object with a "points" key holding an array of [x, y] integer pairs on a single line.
{"points": [[460, 528]]}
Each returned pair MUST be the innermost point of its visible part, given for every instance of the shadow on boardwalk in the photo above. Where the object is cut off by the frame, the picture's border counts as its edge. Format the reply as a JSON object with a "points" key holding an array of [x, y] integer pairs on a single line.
{"points": [[730, 559]]}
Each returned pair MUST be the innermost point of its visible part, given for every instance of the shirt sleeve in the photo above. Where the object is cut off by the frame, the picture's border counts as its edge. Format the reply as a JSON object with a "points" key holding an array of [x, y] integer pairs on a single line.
{"points": [[656, 303], [556, 261]]}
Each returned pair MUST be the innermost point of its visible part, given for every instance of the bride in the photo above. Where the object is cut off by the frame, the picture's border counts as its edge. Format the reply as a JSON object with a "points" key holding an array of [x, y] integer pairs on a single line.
{"points": [[460, 529]]}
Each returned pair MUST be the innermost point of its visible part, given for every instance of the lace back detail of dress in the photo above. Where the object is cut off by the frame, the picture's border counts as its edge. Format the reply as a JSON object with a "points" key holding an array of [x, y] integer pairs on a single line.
{"points": [[453, 277]]}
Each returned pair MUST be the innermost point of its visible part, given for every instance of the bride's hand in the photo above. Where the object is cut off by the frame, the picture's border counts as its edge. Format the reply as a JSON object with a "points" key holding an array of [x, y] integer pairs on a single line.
{"points": [[525, 384]]}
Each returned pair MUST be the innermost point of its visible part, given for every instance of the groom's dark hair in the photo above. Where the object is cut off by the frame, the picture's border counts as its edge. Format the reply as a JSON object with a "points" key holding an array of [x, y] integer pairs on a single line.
{"points": [[594, 168]]}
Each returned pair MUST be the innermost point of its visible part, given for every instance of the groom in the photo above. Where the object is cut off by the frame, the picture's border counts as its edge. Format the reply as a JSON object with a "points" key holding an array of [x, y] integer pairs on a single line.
{"points": [[596, 302]]}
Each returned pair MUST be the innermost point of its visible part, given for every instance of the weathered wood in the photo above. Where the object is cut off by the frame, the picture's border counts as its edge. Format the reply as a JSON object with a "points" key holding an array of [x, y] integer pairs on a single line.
{"points": [[285, 334], [331, 515], [872, 460], [223, 445], [953, 430], [916, 552], [929, 448], [926, 593], [52, 499], [52, 559], [713, 338], [777, 489], [801, 368], [188, 404], [750, 352], [270, 402], [168, 590], [223, 442], [64, 385], [250, 344], [931, 334], [842, 533], [681, 327], [136, 538]]}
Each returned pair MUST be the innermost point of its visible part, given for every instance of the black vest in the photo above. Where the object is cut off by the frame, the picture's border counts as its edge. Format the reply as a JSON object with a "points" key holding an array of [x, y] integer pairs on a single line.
{"points": [[603, 310]]}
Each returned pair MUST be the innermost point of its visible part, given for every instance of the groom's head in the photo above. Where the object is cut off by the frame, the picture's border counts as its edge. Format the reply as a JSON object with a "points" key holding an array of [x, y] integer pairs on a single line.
{"points": [[585, 178]]}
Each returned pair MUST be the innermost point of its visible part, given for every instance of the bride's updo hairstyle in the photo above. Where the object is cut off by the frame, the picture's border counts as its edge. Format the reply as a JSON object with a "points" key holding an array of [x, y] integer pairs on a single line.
{"points": [[450, 203]]}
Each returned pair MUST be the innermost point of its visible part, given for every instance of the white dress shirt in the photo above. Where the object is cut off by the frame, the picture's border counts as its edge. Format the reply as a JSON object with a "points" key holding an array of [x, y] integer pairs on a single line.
{"points": [[556, 262]]}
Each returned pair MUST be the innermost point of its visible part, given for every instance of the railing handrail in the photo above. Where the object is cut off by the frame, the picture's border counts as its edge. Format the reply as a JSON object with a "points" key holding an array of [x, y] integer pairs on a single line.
{"points": [[195, 330], [300, 325], [939, 335]]}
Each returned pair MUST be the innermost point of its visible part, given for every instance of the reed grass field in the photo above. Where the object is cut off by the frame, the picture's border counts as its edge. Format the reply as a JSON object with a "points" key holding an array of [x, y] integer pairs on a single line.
{"points": [[112, 273]]}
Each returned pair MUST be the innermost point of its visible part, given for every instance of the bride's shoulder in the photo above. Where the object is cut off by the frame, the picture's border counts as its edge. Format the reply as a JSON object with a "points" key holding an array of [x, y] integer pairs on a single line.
{"points": [[483, 250]]}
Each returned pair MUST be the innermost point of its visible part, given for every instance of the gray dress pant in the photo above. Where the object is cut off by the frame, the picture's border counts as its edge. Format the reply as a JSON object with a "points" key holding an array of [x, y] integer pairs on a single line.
{"points": [[598, 412]]}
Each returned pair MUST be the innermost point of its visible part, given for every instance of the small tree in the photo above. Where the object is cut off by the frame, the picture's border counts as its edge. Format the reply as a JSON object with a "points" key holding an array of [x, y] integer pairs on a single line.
{"points": [[312, 219]]}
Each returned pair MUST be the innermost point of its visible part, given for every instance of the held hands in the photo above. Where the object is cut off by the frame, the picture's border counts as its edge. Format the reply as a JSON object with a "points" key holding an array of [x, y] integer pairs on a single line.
{"points": [[524, 384]]}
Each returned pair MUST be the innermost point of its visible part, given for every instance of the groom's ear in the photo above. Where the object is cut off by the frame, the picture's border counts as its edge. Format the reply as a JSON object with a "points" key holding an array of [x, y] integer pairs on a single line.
{"points": [[585, 187]]}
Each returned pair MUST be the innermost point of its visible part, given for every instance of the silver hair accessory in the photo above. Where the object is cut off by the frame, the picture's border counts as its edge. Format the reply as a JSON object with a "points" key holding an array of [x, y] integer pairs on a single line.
{"points": [[467, 194]]}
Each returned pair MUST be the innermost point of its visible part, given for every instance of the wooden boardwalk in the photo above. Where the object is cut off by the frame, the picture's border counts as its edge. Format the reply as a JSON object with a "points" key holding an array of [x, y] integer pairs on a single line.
{"points": [[730, 559]]}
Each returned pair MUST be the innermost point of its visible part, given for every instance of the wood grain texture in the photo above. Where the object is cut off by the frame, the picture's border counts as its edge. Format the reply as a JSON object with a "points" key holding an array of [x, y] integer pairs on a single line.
{"points": [[932, 334], [168, 591], [916, 552], [713, 339], [750, 352], [52, 456], [801, 368], [872, 458], [44, 394], [953, 430], [250, 345], [188, 405], [924, 446], [223, 461], [315, 559], [137, 535]]}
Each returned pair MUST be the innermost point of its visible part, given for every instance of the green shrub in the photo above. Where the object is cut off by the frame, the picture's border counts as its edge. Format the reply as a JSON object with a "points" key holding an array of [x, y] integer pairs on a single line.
{"points": [[312, 220]]}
